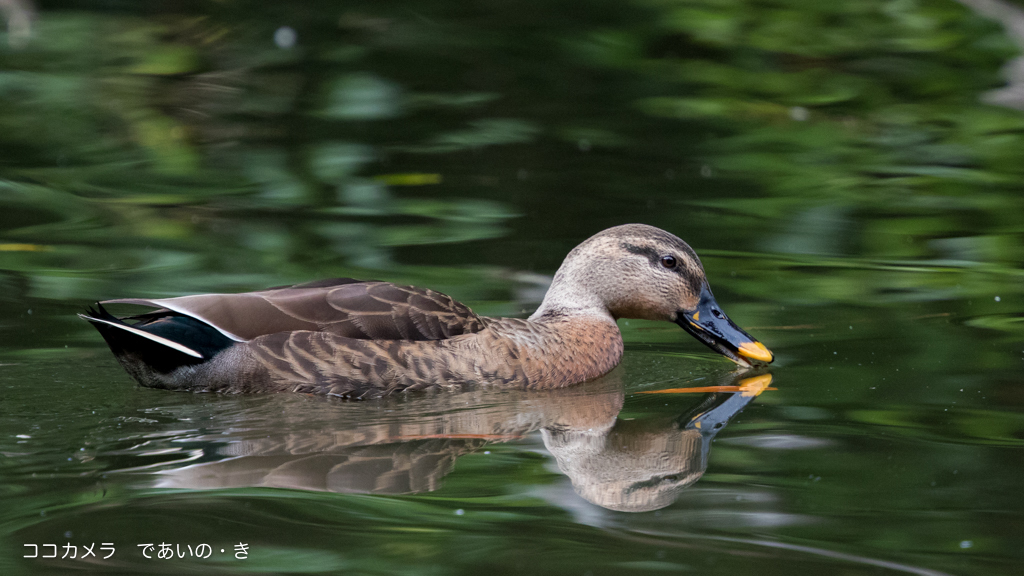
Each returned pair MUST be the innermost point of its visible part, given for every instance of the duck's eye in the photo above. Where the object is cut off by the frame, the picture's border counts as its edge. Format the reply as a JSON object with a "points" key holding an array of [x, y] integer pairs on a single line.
{"points": [[668, 261]]}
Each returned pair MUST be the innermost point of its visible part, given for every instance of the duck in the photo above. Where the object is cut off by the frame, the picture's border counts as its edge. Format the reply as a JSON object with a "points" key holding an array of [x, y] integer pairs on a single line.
{"points": [[355, 339]]}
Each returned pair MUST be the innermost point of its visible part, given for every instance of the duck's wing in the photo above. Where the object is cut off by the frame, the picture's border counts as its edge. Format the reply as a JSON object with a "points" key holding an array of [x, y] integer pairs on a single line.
{"points": [[341, 306]]}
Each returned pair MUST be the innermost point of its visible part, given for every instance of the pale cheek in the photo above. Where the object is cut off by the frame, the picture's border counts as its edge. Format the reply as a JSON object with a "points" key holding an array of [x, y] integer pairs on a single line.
{"points": [[689, 303], [663, 309], [646, 309]]}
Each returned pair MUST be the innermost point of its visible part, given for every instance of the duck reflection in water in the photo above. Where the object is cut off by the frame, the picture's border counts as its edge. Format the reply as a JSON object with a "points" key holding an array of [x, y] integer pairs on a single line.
{"points": [[410, 444], [642, 465]]}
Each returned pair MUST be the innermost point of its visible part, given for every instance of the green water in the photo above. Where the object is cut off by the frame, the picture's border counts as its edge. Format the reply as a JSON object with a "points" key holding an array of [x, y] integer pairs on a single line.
{"points": [[848, 172]]}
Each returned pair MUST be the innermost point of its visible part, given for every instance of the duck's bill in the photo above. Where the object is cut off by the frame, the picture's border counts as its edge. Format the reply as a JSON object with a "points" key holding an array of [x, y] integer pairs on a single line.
{"points": [[711, 326]]}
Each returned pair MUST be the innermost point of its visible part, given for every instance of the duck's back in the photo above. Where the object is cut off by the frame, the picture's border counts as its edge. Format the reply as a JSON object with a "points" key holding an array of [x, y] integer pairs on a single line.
{"points": [[341, 306], [294, 338]]}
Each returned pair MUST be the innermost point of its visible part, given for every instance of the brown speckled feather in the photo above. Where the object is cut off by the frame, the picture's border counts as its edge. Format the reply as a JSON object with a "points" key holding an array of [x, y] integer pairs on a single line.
{"points": [[342, 306], [508, 352]]}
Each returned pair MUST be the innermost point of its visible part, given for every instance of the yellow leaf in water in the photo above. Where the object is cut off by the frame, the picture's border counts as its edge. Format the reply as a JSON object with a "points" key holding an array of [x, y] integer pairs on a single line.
{"points": [[23, 248], [704, 390], [747, 387], [409, 179]]}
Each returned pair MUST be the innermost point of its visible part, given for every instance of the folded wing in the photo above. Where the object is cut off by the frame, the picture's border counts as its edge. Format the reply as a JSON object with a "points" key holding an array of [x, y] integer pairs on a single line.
{"points": [[340, 306]]}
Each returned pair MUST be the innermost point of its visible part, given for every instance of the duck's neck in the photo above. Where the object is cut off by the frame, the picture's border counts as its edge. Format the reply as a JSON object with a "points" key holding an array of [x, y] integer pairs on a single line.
{"points": [[570, 296], [572, 336]]}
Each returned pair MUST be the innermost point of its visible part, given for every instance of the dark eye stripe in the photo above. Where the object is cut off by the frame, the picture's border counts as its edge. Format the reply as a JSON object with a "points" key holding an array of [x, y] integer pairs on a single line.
{"points": [[665, 260], [688, 266]]}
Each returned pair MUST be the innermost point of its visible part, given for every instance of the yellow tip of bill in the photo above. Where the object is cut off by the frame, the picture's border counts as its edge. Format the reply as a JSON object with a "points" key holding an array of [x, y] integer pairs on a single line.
{"points": [[755, 351]]}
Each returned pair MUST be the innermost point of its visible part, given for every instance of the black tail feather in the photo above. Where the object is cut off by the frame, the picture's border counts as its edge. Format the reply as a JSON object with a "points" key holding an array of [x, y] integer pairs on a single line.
{"points": [[131, 347]]}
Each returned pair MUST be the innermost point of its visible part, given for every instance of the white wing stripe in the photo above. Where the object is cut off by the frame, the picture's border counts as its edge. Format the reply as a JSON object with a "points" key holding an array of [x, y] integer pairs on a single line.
{"points": [[170, 305], [158, 339]]}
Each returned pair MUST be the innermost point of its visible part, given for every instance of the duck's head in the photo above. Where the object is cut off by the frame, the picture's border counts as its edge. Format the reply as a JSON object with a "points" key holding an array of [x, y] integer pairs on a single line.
{"points": [[639, 271]]}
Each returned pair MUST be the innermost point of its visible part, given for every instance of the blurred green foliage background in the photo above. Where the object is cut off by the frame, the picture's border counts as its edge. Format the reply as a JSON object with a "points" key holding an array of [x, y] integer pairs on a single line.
{"points": [[137, 137]]}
